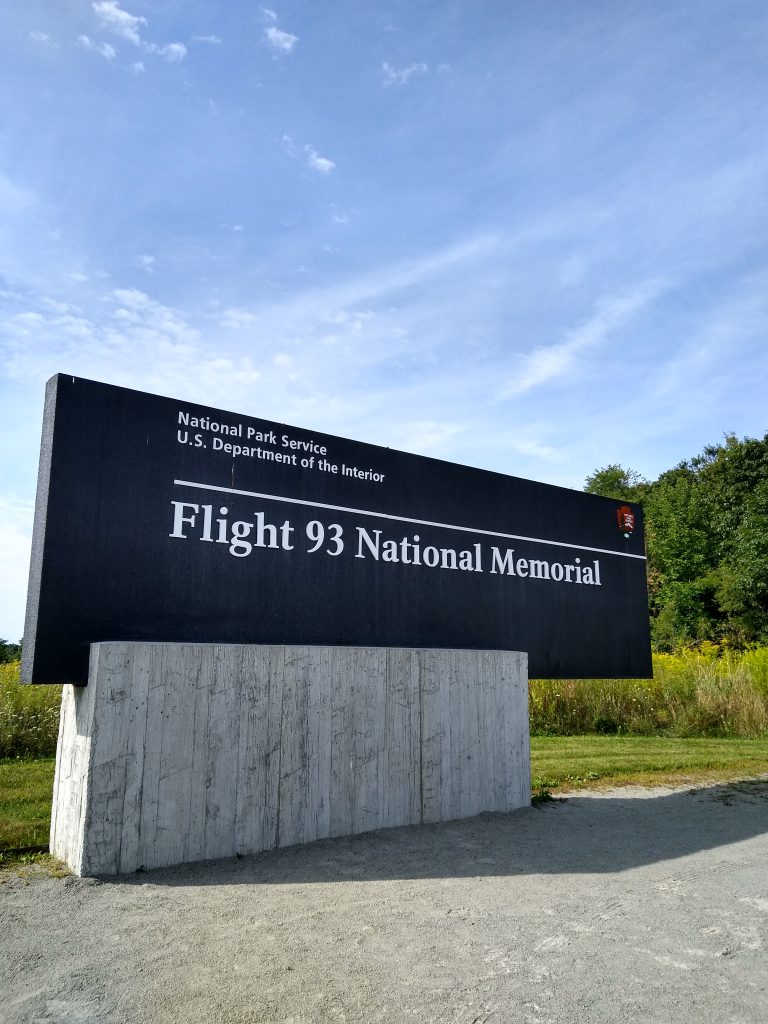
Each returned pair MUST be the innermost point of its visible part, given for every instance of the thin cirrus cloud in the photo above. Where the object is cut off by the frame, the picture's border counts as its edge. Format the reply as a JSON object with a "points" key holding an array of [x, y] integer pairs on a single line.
{"points": [[129, 328], [399, 77], [122, 331], [549, 362]]}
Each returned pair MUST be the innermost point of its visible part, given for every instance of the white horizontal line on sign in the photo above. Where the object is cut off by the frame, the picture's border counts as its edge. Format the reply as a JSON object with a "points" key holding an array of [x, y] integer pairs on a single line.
{"points": [[403, 519]]}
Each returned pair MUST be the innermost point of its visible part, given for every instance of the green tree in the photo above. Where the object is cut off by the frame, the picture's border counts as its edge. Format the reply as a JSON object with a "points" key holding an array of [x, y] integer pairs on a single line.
{"points": [[680, 560], [9, 652], [616, 482], [706, 524], [742, 579]]}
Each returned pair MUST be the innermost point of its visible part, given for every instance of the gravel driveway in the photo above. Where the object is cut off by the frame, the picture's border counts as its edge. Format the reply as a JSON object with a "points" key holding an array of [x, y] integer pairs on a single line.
{"points": [[631, 905]]}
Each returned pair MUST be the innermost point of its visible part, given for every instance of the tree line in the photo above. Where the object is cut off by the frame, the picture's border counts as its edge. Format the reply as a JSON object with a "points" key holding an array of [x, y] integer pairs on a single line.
{"points": [[9, 652], [706, 535]]}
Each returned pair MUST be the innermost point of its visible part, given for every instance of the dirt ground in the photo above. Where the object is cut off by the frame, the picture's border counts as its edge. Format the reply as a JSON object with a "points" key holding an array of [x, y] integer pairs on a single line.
{"points": [[630, 905]]}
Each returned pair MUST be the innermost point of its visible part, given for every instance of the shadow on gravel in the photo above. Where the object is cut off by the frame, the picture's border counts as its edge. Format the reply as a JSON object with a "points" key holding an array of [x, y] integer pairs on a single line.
{"points": [[573, 835]]}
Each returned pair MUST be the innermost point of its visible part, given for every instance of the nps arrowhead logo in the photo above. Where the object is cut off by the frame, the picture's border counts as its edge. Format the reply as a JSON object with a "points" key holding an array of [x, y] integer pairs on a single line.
{"points": [[626, 520]]}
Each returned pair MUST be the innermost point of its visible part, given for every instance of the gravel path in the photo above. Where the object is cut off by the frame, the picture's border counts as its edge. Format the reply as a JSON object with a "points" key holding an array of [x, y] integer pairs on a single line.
{"points": [[632, 905]]}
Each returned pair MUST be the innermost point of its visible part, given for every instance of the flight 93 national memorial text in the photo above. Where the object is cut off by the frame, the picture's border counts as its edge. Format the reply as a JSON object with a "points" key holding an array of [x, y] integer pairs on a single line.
{"points": [[162, 520]]}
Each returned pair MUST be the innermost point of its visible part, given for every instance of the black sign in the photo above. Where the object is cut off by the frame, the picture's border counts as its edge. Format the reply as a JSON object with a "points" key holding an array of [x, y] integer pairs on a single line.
{"points": [[162, 520]]}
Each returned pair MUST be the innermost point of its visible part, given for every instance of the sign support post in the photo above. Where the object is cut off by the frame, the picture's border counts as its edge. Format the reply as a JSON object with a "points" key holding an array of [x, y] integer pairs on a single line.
{"points": [[176, 753]]}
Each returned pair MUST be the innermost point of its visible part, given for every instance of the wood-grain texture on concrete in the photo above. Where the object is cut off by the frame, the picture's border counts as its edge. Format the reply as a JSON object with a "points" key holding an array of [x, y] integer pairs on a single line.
{"points": [[183, 752]]}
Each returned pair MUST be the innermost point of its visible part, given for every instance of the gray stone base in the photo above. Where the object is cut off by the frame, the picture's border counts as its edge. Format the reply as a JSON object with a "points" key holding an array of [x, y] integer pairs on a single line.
{"points": [[183, 752]]}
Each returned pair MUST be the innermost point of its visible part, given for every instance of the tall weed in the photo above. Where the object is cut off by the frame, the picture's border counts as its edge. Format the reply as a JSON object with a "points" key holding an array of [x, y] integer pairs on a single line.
{"points": [[709, 691], [29, 716], [756, 663]]}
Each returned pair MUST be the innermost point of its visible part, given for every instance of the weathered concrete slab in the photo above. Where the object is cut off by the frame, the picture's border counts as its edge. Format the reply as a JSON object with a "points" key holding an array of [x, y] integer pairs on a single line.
{"points": [[183, 752]]}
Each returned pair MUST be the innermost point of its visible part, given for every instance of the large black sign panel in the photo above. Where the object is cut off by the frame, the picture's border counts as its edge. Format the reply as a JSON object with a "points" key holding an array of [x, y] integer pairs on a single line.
{"points": [[162, 520]]}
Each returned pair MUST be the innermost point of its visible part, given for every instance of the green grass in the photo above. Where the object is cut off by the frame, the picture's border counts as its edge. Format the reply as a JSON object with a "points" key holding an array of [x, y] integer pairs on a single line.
{"points": [[26, 788], [572, 761]]}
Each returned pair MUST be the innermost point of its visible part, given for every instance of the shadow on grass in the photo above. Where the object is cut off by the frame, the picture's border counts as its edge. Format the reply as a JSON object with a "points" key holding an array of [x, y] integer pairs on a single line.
{"points": [[580, 834]]}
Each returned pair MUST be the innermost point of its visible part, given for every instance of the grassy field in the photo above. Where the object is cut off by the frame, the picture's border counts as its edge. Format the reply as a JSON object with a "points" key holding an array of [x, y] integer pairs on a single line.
{"points": [[558, 763], [25, 802], [564, 762]]}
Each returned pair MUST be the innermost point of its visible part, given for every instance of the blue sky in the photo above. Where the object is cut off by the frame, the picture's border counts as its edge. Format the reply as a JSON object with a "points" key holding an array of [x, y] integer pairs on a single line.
{"points": [[526, 235]]}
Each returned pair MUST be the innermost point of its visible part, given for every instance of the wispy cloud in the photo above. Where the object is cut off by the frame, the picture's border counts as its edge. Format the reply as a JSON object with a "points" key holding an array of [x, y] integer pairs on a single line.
{"points": [[103, 49], [531, 448], [42, 38], [279, 41], [237, 319], [213, 40], [172, 52], [118, 339], [113, 18], [401, 76], [724, 344], [14, 197], [127, 337], [573, 270], [121, 23], [426, 436], [319, 163], [311, 157], [146, 262], [548, 362]]}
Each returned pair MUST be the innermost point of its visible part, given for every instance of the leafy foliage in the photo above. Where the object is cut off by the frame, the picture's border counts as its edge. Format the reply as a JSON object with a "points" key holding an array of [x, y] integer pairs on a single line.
{"points": [[9, 652], [706, 526], [615, 482]]}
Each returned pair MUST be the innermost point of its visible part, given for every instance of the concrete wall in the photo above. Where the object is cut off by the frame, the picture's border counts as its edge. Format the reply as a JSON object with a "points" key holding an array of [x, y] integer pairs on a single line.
{"points": [[182, 752]]}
